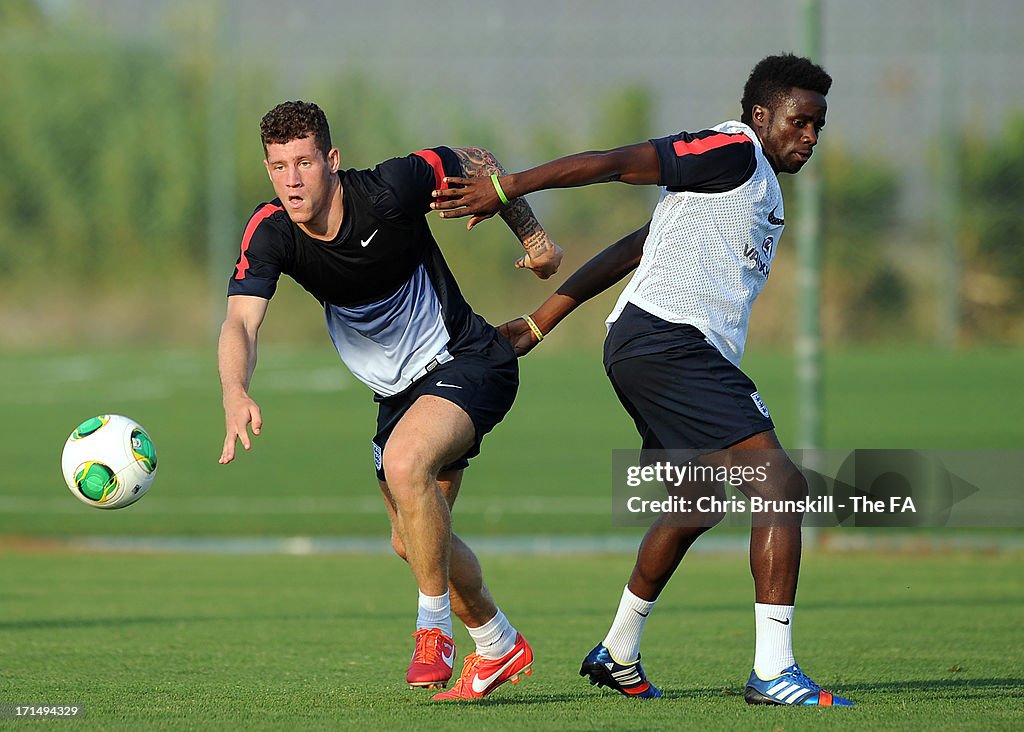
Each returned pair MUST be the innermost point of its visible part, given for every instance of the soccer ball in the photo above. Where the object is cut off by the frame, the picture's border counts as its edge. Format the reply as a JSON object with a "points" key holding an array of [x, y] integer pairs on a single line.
{"points": [[109, 461]]}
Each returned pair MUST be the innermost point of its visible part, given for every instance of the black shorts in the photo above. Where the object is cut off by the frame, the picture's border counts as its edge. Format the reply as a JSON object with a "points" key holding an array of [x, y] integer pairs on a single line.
{"points": [[483, 383], [681, 392]]}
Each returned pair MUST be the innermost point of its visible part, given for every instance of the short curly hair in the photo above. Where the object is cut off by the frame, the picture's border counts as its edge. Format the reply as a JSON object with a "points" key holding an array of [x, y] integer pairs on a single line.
{"points": [[772, 78], [293, 121]]}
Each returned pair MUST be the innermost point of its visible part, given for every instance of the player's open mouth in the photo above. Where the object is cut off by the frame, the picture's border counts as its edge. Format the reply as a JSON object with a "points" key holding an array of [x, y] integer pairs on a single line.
{"points": [[804, 155], [295, 201]]}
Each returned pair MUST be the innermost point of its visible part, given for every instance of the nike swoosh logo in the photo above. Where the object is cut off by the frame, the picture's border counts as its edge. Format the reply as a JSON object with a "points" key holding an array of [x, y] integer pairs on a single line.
{"points": [[481, 685], [780, 622], [449, 659], [450, 386], [364, 242], [642, 615], [771, 220]]}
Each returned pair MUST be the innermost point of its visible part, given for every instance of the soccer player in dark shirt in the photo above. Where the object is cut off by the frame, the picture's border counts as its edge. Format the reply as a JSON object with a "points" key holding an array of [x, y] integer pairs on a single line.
{"points": [[676, 338], [358, 241]]}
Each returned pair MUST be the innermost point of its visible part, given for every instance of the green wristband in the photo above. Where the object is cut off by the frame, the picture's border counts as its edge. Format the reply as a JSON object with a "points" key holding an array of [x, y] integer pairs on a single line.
{"points": [[497, 187]]}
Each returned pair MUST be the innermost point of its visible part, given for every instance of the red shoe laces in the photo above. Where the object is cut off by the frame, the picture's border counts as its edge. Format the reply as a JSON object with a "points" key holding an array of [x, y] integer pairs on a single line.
{"points": [[468, 669], [428, 645]]}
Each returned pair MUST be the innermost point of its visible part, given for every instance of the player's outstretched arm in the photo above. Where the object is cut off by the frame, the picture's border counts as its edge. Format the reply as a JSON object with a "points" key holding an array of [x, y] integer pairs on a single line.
{"points": [[479, 197], [542, 255], [236, 361], [601, 272]]}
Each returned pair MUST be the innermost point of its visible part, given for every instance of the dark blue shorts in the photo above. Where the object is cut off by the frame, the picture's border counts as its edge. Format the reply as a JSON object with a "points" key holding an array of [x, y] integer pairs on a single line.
{"points": [[681, 392], [482, 382]]}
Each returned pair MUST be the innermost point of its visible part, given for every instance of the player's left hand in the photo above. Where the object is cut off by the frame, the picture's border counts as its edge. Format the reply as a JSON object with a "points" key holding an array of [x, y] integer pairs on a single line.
{"points": [[543, 261], [461, 197]]}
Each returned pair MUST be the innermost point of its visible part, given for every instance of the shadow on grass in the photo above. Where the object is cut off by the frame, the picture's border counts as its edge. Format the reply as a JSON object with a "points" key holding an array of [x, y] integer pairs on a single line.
{"points": [[1009, 687], [514, 700], [935, 689]]}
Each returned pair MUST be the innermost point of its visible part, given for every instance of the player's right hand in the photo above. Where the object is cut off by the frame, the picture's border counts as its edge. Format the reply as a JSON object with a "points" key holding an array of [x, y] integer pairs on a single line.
{"points": [[460, 197], [519, 335], [239, 413]]}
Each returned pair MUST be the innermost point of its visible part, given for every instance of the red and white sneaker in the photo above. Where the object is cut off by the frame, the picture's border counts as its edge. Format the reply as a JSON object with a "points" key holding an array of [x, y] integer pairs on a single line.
{"points": [[480, 676], [432, 659]]}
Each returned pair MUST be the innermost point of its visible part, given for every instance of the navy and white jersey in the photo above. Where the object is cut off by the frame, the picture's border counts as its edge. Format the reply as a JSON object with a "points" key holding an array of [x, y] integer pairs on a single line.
{"points": [[713, 235], [392, 306]]}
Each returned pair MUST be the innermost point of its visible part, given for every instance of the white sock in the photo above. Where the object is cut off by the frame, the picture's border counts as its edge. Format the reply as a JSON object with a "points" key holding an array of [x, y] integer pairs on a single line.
{"points": [[434, 612], [623, 639], [773, 649], [495, 638]]}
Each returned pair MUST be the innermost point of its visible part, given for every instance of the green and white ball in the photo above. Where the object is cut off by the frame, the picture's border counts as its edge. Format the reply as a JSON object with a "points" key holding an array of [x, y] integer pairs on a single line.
{"points": [[109, 461]]}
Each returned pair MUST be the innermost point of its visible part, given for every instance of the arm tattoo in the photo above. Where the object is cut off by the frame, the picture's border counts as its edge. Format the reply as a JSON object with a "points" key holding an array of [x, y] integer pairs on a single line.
{"points": [[476, 162]]}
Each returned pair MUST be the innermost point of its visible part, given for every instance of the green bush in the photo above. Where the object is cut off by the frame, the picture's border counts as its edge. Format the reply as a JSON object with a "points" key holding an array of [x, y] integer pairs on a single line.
{"points": [[109, 183], [992, 233]]}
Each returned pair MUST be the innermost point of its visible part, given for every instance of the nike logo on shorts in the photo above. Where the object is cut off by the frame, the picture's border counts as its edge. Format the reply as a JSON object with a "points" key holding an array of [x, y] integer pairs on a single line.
{"points": [[450, 386]]}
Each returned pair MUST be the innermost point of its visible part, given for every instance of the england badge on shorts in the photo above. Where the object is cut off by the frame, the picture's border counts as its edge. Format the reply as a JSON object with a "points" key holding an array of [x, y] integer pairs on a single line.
{"points": [[759, 403]]}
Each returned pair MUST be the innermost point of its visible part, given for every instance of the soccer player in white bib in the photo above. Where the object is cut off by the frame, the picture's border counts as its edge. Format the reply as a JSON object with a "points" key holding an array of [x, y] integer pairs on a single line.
{"points": [[676, 337]]}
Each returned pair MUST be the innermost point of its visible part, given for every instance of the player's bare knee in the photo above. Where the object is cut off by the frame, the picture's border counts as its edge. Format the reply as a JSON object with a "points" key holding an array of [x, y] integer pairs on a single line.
{"points": [[407, 474], [784, 482]]}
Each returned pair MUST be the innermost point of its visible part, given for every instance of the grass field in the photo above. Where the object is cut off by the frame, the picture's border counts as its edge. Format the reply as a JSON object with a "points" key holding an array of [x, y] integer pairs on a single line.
{"points": [[546, 469], [271, 642], [207, 640]]}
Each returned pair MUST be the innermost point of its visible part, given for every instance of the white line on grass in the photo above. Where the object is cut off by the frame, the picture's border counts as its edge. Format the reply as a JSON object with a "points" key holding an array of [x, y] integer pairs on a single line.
{"points": [[157, 375], [306, 545]]}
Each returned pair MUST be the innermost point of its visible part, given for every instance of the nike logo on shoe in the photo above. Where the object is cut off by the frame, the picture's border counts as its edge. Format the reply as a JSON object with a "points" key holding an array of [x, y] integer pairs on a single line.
{"points": [[780, 622], [448, 658], [482, 685], [364, 242], [450, 386]]}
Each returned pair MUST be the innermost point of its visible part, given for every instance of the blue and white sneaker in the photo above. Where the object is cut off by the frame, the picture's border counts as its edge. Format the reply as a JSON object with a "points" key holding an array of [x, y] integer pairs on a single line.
{"points": [[627, 679], [791, 687]]}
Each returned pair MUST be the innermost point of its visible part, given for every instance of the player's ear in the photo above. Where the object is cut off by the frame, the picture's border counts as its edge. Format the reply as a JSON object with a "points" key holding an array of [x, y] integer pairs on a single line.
{"points": [[334, 159], [760, 115]]}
